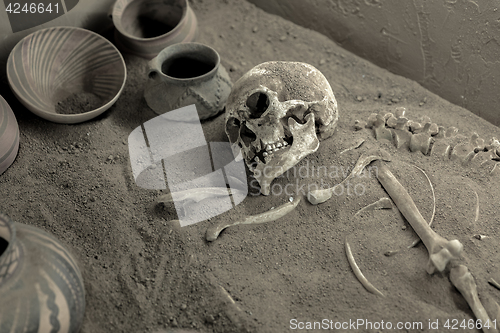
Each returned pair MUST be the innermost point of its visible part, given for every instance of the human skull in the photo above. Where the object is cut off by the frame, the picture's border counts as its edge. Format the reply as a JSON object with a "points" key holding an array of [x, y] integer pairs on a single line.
{"points": [[276, 114]]}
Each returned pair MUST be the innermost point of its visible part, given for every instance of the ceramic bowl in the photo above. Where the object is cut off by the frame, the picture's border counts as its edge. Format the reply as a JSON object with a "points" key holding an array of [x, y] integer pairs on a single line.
{"points": [[9, 136], [65, 74], [145, 27]]}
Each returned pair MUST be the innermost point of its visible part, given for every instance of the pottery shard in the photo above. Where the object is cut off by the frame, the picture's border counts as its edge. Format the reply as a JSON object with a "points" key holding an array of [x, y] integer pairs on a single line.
{"points": [[392, 122], [400, 112]]}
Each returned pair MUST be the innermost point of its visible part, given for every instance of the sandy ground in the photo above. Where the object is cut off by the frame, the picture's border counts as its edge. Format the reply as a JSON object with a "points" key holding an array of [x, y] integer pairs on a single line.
{"points": [[145, 274]]}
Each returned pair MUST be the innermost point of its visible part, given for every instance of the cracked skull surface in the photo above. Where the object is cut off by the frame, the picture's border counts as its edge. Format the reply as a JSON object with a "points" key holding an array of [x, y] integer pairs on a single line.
{"points": [[277, 113]]}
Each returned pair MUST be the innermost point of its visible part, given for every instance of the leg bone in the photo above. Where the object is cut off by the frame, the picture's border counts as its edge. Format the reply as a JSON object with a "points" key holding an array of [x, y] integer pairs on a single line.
{"points": [[441, 251], [463, 280]]}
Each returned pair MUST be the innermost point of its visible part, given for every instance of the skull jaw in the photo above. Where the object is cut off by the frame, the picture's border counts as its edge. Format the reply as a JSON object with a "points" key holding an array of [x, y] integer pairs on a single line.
{"points": [[305, 142]]}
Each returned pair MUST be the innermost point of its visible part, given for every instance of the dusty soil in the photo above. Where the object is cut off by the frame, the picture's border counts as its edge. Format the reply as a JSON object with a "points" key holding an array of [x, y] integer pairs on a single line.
{"points": [[143, 273], [79, 103]]}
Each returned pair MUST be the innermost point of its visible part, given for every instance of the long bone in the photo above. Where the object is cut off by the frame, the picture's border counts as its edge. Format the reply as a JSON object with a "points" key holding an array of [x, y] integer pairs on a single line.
{"points": [[441, 251], [463, 280], [319, 196], [269, 216]]}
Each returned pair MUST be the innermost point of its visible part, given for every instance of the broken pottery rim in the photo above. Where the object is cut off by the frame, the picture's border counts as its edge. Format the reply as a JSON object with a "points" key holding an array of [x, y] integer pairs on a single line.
{"points": [[58, 117], [119, 26], [155, 65]]}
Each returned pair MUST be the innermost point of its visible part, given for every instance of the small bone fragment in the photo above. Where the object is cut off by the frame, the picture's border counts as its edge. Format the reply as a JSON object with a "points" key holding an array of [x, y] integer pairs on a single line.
{"points": [[359, 275], [359, 125], [383, 203], [271, 215], [400, 112], [433, 205], [463, 280], [356, 146], [494, 283], [390, 253], [441, 251], [319, 196]]}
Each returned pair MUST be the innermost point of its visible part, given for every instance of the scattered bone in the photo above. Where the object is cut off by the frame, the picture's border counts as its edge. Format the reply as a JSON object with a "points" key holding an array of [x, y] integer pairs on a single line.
{"points": [[390, 253], [480, 237], [476, 218], [356, 146], [269, 216], [319, 196], [359, 125], [433, 205], [388, 115], [463, 280], [383, 203], [400, 112], [494, 283], [359, 275], [441, 251]]}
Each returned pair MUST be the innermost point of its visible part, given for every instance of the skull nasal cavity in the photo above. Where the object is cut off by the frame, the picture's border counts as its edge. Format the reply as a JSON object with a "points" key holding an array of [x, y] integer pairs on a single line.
{"points": [[247, 135], [257, 103]]}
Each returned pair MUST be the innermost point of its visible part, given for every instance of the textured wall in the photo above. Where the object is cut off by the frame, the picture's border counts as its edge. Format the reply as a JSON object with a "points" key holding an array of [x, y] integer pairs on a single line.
{"points": [[451, 47]]}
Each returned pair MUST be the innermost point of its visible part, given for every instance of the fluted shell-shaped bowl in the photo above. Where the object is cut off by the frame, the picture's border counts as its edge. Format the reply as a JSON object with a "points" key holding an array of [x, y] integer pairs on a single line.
{"points": [[52, 67], [9, 136]]}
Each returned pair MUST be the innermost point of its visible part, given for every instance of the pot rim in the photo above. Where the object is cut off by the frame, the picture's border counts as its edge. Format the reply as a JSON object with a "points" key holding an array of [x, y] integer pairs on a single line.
{"points": [[182, 47], [119, 27]]}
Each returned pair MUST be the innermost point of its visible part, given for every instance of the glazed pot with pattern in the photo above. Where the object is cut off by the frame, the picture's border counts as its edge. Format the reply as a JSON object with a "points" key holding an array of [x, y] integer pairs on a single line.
{"points": [[185, 74], [41, 287], [145, 27], [9, 136]]}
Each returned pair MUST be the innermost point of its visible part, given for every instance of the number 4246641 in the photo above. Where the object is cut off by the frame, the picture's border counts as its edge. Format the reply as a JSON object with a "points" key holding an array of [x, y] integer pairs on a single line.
{"points": [[470, 324], [32, 8]]}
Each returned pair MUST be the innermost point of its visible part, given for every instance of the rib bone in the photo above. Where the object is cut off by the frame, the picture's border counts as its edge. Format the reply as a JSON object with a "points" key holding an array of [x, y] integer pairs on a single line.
{"points": [[463, 280], [319, 196], [441, 251], [272, 215]]}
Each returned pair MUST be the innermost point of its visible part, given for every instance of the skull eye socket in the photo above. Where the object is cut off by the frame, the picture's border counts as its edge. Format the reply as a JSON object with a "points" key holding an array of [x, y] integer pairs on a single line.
{"points": [[257, 103]]}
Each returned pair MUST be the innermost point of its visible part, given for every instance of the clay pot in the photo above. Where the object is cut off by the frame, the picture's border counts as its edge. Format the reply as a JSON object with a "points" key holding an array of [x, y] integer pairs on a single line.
{"points": [[185, 74], [9, 136], [145, 27], [41, 288], [56, 72]]}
